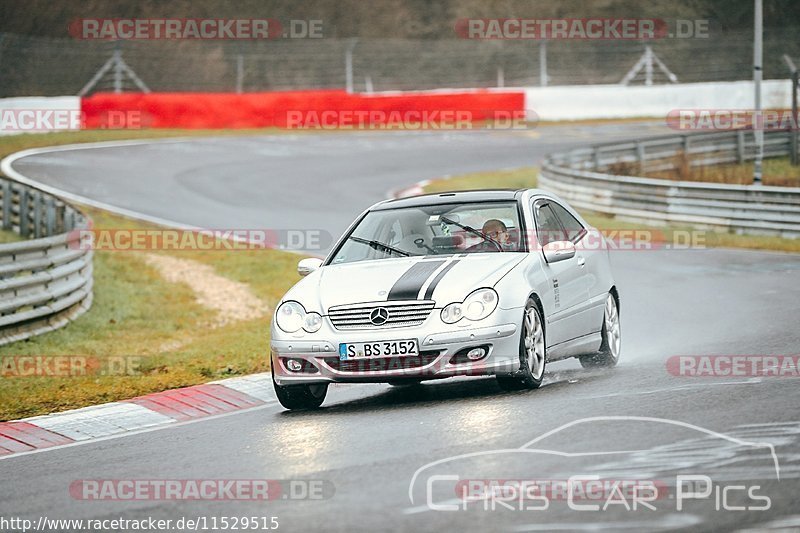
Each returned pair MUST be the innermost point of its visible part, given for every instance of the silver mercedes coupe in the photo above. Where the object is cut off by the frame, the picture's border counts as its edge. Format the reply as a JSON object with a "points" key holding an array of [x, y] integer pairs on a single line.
{"points": [[473, 283]]}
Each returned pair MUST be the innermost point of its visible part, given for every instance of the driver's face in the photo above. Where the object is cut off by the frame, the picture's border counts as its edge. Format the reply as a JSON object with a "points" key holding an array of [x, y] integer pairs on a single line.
{"points": [[496, 232]]}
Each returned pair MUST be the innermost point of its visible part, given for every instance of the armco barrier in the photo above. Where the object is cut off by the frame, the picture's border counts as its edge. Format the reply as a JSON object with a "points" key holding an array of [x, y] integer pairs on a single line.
{"points": [[277, 109], [585, 178], [45, 281]]}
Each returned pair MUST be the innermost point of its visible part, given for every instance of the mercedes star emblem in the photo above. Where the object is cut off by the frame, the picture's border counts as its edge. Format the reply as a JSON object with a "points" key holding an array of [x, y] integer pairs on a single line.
{"points": [[379, 316]]}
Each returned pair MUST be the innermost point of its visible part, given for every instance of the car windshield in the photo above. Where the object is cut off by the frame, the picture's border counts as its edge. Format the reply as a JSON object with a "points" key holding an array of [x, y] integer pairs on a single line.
{"points": [[433, 230]]}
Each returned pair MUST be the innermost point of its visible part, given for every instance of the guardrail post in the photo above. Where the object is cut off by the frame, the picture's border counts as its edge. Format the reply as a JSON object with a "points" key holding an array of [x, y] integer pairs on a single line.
{"points": [[23, 212], [596, 158], [7, 205], [37, 214], [740, 146], [50, 215], [640, 155], [685, 168]]}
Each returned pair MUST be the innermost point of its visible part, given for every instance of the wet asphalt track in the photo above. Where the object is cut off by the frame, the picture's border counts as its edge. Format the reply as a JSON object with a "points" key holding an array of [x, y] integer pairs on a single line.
{"points": [[369, 440]]}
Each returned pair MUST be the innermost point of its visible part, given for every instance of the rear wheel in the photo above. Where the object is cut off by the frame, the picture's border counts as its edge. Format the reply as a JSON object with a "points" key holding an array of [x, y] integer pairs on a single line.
{"points": [[608, 355], [532, 354], [300, 396]]}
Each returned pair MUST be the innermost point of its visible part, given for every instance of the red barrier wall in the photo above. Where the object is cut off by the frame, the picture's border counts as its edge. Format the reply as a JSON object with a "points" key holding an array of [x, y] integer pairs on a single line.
{"points": [[312, 109]]}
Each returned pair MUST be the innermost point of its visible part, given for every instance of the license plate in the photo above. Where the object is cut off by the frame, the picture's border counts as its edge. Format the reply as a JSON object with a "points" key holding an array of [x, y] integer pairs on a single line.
{"points": [[362, 350]]}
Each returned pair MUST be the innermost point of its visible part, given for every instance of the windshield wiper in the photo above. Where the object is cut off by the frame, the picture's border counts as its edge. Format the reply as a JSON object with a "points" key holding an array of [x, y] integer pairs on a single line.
{"points": [[472, 230], [377, 245]]}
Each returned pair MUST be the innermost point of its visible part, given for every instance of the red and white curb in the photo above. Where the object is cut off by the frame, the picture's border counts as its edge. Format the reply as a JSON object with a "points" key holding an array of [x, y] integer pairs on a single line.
{"points": [[137, 414]]}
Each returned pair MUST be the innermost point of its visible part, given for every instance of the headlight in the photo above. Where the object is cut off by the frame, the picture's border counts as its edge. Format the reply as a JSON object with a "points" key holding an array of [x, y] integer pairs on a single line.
{"points": [[477, 306], [312, 322], [480, 304], [452, 313], [291, 316]]}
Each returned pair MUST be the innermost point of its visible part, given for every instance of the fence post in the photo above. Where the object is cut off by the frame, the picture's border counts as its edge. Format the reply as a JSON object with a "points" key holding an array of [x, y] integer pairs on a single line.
{"points": [[543, 63], [795, 78], [239, 73], [348, 66]]}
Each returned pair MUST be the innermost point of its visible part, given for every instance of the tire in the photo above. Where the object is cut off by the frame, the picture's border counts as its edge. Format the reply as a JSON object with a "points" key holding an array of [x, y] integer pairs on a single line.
{"points": [[610, 348], [300, 396], [532, 352]]}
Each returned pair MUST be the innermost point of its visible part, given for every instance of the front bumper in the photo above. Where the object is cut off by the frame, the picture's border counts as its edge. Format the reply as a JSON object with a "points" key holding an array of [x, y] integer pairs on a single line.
{"points": [[438, 344]]}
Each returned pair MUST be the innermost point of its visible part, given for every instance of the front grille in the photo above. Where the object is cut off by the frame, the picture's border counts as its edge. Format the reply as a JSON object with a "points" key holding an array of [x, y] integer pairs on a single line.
{"points": [[367, 365], [400, 313]]}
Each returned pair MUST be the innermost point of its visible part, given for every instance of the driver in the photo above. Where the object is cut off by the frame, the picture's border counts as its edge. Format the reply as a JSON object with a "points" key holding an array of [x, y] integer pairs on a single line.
{"points": [[496, 230]]}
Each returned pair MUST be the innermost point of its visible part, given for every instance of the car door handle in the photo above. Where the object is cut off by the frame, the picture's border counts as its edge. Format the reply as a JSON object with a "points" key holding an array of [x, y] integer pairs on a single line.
{"points": [[581, 262]]}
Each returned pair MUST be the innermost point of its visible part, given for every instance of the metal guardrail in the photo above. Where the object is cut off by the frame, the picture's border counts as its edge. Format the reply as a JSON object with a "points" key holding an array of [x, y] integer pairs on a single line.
{"points": [[588, 179], [45, 281]]}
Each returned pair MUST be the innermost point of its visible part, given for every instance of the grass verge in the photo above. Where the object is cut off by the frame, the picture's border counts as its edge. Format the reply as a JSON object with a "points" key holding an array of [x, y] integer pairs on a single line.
{"points": [[156, 328], [776, 171], [24, 141], [526, 177], [7, 236]]}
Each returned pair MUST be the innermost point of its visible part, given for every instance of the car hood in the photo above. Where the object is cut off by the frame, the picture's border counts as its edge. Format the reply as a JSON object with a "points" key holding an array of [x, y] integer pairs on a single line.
{"points": [[444, 280]]}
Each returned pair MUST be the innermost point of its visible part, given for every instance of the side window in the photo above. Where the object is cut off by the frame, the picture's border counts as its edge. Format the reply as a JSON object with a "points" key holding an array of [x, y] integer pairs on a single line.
{"points": [[571, 225], [548, 228]]}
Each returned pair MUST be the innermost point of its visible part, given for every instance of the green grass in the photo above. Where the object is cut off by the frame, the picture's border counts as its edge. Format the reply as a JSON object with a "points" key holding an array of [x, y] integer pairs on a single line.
{"points": [[519, 178], [7, 236], [526, 177], [135, 313], [777, 171]]}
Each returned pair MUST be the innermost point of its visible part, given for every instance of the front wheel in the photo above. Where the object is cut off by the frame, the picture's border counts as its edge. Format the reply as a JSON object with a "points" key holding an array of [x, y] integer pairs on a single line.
{"points": [[300, 396], [608, 355], [532, 354]]}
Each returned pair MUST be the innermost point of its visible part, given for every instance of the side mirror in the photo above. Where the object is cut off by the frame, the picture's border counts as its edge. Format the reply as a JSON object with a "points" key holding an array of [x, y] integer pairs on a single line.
{"points": [[308, 265], [558, 251]]}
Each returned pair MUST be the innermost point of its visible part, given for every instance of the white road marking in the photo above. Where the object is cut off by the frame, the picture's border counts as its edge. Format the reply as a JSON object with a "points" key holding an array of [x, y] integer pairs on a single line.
{"points": [[671, 521], [751, 381]]}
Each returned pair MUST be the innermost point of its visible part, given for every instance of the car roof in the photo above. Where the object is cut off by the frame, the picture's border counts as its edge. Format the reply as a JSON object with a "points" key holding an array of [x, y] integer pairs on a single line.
{"points": [[456, 197]]}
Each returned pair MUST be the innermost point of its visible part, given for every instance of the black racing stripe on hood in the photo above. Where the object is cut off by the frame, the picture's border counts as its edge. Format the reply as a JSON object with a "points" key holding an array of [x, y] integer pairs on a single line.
{"points": [[408, 285], [438, 278]]}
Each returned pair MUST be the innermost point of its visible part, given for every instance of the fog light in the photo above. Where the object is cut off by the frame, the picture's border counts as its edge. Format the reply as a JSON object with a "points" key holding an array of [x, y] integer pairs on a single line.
{"points": [[476, 354], [294, 365]]}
